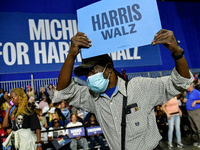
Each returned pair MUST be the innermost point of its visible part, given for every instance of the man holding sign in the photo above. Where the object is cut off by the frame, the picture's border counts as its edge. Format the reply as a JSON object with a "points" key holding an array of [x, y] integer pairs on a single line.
{"points": [[106, 91]]}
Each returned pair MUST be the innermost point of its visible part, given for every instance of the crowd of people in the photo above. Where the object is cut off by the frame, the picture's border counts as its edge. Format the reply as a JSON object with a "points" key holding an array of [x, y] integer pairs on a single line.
{"points": [[124, 109], [182, 113], [60, 115], [45, 116]]}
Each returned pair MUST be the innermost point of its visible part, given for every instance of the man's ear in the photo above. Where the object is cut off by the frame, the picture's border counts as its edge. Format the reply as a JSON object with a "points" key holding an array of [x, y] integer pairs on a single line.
{"points": [[109, 69]]}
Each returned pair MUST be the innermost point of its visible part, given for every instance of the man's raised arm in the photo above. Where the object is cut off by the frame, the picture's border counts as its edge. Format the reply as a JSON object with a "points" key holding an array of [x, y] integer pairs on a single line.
{"points": [[168, 39], [77, 42]]}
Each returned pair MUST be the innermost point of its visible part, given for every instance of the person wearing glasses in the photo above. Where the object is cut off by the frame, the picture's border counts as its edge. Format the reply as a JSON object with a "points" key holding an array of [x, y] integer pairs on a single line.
{"points": [[23, 120], [106, 90], [53, 135]]}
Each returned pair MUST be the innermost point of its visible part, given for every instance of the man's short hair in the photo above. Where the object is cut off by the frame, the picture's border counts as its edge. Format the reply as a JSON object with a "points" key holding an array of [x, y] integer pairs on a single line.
{"points": [[88, 64]]}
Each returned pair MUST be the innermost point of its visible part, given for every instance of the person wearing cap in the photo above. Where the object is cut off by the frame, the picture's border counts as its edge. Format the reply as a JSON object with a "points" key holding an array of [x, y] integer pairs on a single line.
{"points": [[106, 90], [30, 92]]}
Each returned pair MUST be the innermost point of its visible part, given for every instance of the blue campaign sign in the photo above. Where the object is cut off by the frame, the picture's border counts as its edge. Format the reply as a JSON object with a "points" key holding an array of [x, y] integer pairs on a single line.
{"points": [[113, 26], [94, 130], [76, 132], [41, 42], [35, 42]]}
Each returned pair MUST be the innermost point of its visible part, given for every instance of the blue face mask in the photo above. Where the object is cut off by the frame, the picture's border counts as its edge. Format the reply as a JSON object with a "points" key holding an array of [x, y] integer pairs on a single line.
{"points": [[97, 83]]}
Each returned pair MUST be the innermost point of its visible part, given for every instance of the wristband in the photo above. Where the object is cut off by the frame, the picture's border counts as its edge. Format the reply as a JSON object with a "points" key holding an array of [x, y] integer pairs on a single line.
{"points": [[39, 144], [177, 57]]}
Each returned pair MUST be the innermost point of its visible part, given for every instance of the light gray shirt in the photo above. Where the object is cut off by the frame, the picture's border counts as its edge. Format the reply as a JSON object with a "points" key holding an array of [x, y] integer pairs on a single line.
{"points": [[141, 128]]}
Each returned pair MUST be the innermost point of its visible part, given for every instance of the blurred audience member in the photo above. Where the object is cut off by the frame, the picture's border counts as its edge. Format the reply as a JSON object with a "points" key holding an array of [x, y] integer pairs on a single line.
{"points": [[48, 110], [65, 111], [196, 76], [50, 90], [161, 120], [32, 100], [1, 92], [73, 109], [43, 124], [30, 92], [78, 140], [53, 135], [43, 103], [124, 75], [55, 116], [93, 123], [174, 113], [43, 93], [4, 99], [23, 89], [80, 114], [42, 119], [192, 101], [3, 135]]}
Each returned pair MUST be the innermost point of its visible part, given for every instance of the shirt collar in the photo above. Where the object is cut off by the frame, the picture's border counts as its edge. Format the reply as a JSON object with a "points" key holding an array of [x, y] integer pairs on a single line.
{"points": [[119, 87]]}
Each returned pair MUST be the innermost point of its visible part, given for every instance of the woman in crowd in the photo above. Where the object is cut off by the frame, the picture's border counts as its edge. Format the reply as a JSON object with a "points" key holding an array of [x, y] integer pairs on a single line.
{"points": [[58, 111], [55, 116], [52, 135], [30, 92], [92, 122], [32, 100], [43, 103], [23, 120], [173, 113], [78, 140], [65, 111], [3, 132], [50, 90], [43, 93], [41, 118]]}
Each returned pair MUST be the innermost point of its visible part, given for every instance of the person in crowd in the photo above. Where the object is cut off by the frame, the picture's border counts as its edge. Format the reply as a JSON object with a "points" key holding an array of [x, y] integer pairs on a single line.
{"points": [[43, 93], [2, 111], [173, 113], [65, 111], [4, 99], [80, 114], [73, 109], [23, 120], [50, 90], [107, 90], [55, 116], [61, 116], [41, 118], [48, 110], [44, 126], [1, 91], [3, 132], [124, 75], [161, 120], [43, 103], [23, 89], [82, 141], [32, 100], [30, 92], [93, 123], [53, 135], [192, 101], [196, 76], [196, 83]]}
